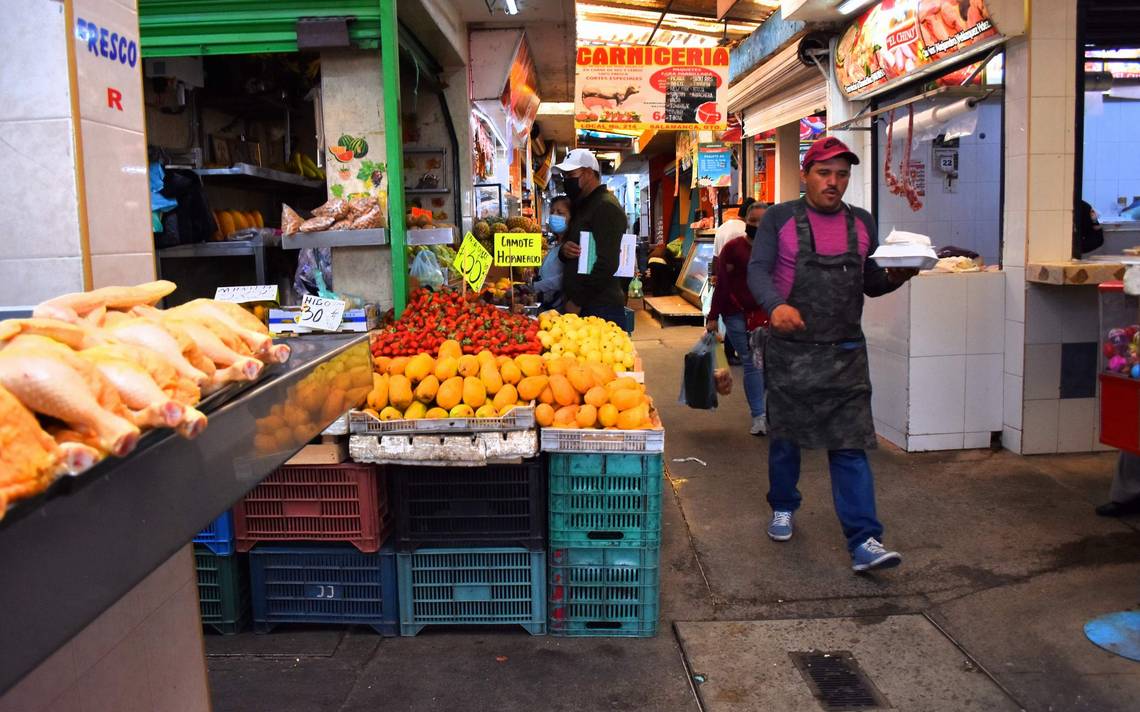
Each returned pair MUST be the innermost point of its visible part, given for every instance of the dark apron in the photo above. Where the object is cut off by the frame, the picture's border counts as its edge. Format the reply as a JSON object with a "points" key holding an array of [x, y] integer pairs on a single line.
{"points": [[818, 383]]}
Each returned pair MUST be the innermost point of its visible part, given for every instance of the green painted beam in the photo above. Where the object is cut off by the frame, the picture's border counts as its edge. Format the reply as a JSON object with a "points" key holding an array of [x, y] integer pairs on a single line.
{"points": [[394, 142]]}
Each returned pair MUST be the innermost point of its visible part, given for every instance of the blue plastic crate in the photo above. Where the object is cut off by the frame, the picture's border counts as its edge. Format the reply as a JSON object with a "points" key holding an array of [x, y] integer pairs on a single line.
{"points": [[605, 499], [223, 590], [607, 592], [499, 586], [218, 536], [324, 584]]}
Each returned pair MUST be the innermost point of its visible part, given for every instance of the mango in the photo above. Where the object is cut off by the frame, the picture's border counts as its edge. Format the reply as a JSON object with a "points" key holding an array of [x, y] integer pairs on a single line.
{"points": [[397, 365], [544, 414], [581, 378], [489, 375], [400, 391], [487, 410], [450, 393], [566, 417], [510, 372], [380, 364], [485, 357], [531, 387], [587, 416], [530, 364], [474, 392], [450, 349], [624, 399], [435, 413], [608, 415], [469, 365], [419, 367], [564, 393], [426, 391], [597, 396], [547, 396], [507, 395], [462, 411], [415, 411], [378, 396], [391, 413], [446, 367], [634, 418]]}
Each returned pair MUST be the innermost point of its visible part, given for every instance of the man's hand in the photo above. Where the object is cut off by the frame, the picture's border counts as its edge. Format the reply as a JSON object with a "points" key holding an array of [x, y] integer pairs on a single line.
{"points": [[786, 319], [571, 250], [711, 325], [899, 275], [723, 378]]}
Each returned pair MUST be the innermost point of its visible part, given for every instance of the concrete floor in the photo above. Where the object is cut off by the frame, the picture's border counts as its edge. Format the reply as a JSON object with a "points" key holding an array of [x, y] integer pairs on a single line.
{"points": [[1002, 553]]}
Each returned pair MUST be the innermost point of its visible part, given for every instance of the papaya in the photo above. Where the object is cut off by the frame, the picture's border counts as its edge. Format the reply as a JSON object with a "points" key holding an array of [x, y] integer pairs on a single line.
{"points": [[485, 357], [435, 413], [397, 365], [530, 364], [226, 223], [581, 378], [490, 377], [487, 410], [333, 405], [462, 411], [507, 395], [446, 367], [633, 419], [400, 391], [415, 411], [450, 349], [381, 364], [624, 399], [556, 367], [391, 413], [564, 393], [502, 360], [468, 365], [419, 367], [566, 417], [608, 415], [450, 393], [258, 220], [378, 397], [597, 396], [530, 387], [510, 372], [474, 392], [587, 416], [544, 414], [547, 396], [237, 219], [623, 383], [425, 392], [603, 373]]}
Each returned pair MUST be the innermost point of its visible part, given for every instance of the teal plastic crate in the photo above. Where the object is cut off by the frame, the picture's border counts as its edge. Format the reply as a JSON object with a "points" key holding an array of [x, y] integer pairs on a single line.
{"points": [[605, 499], [606, 592], [500, 586], [223, 590]]}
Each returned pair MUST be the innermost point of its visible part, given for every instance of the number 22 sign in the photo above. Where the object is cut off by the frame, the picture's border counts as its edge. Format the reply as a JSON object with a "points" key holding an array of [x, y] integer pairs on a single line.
{"points": [[472, 261]]}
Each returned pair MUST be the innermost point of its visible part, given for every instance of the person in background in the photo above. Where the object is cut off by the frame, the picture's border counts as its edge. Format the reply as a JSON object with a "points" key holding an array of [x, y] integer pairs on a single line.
{"points": [[810, 272], [732, 301], [1089, 230], [729, 229], [548, 285], [1124, 496], [597, 211]]}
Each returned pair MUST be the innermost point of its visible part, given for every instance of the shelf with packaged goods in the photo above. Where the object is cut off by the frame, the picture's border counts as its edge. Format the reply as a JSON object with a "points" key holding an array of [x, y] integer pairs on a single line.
{"points": [[335, 238], [246, 175], [86, 543]]}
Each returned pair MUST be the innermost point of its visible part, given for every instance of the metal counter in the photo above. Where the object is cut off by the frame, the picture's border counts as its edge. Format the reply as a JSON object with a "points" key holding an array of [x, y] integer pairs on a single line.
{"points": [[68, 556]]}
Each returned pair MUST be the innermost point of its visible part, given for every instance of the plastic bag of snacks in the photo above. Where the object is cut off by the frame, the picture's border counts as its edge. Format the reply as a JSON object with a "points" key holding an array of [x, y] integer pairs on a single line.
{"points": [[337, 209], [360, 206], [371, 219], [345, 224], [321, 222], [290, 221]]}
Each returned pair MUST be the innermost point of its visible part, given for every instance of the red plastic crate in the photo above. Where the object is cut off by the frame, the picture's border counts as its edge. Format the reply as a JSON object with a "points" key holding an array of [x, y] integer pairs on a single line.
{"points": [[316, 503], [1120, 412]]}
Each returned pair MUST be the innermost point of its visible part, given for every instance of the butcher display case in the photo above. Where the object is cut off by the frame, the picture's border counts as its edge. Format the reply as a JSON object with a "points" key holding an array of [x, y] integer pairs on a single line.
{"points": [[70, 553]]}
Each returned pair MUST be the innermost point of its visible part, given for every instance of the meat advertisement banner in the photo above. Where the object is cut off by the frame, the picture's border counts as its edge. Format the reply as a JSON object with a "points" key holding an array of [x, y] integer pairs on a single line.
{"points": [[897, 38], [642, 88], [714, 165]]}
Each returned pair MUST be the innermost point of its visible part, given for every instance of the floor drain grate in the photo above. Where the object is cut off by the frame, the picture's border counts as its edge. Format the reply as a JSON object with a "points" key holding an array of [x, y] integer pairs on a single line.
{"points": [[838, 682]]}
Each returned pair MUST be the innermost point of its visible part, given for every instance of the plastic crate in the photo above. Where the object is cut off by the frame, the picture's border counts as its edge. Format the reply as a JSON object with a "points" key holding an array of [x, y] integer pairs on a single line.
{"points": [[472, 587], [223, 590], [590, 440], [316, 503], [218, 536], [518, 418], [324, 584], [493, 505], [605, 500], [610, 592], [456, 449]]}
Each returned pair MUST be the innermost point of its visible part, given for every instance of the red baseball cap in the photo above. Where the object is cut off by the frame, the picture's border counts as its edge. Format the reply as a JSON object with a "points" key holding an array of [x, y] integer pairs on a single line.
{"points": [[827, 148]]}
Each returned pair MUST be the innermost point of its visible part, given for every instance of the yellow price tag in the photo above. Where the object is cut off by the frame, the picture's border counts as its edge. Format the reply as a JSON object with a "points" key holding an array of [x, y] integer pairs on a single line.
{"points": [[518, 249], [472, 261]]}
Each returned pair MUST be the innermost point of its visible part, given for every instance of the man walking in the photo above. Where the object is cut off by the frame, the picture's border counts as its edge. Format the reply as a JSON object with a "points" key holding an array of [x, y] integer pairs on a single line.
{"points": [[596, 211], [809, 270]]}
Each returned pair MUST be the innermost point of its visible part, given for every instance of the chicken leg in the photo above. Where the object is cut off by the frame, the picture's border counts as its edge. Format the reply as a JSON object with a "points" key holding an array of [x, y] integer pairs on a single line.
{"points": [[71, 307]]}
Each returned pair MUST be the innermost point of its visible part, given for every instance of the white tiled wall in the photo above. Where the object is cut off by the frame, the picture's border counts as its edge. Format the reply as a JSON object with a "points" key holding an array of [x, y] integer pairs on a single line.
{"points": [[1112, 156], [967, 218], [936, 349]]}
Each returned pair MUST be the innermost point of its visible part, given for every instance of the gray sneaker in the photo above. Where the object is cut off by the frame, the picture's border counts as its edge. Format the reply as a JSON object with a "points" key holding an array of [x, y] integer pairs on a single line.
{"points": [[759, 425], [780, 528]]}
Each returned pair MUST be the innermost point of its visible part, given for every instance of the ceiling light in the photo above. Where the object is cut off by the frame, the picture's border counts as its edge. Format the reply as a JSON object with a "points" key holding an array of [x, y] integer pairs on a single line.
{"points": [[846, 7], [512, 7]]}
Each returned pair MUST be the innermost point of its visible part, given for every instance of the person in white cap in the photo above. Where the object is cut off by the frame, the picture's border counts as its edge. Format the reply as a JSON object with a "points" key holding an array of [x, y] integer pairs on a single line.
{"points": [[597, 212]]}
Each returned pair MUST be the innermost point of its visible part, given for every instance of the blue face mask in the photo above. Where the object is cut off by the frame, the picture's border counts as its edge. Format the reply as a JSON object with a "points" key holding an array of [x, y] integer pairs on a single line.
{"points": [[558, 224]]}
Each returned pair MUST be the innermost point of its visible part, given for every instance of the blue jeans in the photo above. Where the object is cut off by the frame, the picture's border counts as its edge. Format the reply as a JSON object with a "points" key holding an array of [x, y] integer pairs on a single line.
{"points": [[736, 331], [852, 488], [614, 314]]}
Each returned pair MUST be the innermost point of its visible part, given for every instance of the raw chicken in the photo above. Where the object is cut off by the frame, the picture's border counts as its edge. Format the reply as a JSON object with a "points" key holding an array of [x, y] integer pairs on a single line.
{"points": [[237, 320], [72, 307], [151, 335], [28, 455], [150, 405]]}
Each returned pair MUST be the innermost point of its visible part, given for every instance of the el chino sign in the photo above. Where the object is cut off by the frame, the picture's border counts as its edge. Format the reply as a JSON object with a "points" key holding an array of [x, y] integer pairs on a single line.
{"points": [[897, 39], [641, 88]]}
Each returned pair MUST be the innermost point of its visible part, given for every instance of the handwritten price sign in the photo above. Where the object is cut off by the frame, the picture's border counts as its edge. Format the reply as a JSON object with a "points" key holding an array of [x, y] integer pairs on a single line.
{"points": [[322, 314], [472, 261], [244, 295]]}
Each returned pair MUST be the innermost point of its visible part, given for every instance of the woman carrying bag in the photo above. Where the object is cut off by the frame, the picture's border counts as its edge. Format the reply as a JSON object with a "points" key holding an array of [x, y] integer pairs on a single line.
{"points": [[732, 301]]}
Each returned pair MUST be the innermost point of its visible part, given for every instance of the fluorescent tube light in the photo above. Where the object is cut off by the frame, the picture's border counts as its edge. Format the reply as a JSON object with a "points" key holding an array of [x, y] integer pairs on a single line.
{"points": [[512, 7], [846, 7]]}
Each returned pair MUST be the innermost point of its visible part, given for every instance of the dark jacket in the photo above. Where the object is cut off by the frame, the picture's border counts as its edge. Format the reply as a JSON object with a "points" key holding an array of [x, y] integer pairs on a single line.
{"points": [[601, 214]]}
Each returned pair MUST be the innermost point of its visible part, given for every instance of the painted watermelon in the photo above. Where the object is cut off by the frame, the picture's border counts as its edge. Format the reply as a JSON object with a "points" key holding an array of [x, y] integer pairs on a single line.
{"points": [[358, 146]]}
